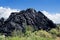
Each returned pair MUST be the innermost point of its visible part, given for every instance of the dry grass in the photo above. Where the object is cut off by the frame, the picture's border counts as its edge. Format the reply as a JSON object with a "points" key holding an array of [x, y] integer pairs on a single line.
{"points": [[58, 38]]}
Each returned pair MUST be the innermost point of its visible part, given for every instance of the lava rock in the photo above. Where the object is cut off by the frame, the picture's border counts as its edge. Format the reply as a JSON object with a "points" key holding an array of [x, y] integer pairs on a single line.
{"points": [[17, 20]]}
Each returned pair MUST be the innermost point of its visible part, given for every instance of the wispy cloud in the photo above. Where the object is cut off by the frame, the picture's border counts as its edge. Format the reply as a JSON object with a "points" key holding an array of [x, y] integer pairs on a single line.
{"points": [[54, 17], [5, 12]]}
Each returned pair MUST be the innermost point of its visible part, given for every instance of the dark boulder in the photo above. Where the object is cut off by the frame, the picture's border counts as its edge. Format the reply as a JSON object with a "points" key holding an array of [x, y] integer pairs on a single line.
{"points": [[17, 20]]}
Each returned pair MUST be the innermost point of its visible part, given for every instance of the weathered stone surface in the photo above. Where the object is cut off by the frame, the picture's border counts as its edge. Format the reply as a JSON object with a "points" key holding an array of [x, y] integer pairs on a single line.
{"points": [[17, 20]]}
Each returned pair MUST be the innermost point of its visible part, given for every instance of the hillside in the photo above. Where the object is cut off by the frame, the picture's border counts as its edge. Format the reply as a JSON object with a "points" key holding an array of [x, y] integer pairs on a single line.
{"points": [[36, 20]]}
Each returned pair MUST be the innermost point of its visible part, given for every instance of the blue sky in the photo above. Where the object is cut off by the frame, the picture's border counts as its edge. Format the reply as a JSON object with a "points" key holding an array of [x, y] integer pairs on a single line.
{"points": [[48, 5], [50, 8]]}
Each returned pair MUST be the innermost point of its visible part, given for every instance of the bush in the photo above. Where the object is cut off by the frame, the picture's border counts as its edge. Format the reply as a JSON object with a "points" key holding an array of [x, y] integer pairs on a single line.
{"points": [[17, 33], [43, 33], [58, 29], [29, 28], [2, 37], [55, 32]]}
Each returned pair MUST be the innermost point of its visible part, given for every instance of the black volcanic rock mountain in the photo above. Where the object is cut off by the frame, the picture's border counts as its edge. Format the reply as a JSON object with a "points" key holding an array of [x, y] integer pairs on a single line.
{"points": [[17, 20]]}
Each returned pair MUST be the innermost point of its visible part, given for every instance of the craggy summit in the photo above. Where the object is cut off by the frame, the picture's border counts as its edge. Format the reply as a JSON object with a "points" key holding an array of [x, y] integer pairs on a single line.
{"points": [[18, 21]]}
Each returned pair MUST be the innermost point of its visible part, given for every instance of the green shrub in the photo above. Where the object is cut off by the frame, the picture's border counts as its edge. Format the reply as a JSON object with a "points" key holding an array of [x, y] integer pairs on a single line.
{"points": [[29, 28], [28, 33], [55, 32], [58, 29], [2, 37], [17, 33], [43, 33]]}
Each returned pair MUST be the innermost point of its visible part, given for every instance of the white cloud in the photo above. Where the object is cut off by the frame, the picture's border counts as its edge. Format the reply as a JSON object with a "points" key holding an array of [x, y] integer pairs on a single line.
{"points": [[5, 12], [54, 17]]}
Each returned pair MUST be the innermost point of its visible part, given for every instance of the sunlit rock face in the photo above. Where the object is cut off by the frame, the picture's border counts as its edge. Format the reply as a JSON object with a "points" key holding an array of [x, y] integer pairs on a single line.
{"points": [[17, 20]]}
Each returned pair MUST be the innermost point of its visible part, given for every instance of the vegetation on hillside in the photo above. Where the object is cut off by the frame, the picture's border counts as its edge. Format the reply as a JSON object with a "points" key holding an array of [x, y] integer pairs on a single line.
{"points": [[30, 35]]}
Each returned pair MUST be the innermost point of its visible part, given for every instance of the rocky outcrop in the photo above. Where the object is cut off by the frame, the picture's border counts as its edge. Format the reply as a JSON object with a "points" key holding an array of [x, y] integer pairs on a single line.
{"points": [[17, 20]]}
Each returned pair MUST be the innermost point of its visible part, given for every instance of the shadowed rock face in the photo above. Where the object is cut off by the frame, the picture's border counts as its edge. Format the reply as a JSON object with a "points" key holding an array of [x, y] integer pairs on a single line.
{"points": [[17, 20]]}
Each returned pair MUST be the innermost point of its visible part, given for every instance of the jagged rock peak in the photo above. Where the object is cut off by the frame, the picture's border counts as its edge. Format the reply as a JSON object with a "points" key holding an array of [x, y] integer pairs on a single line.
{"points": [[31, 10], [18, 20]]}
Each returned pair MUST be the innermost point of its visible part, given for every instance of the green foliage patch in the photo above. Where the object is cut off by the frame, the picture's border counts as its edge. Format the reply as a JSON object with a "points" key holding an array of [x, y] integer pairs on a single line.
{"points": [[37, 35]]}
